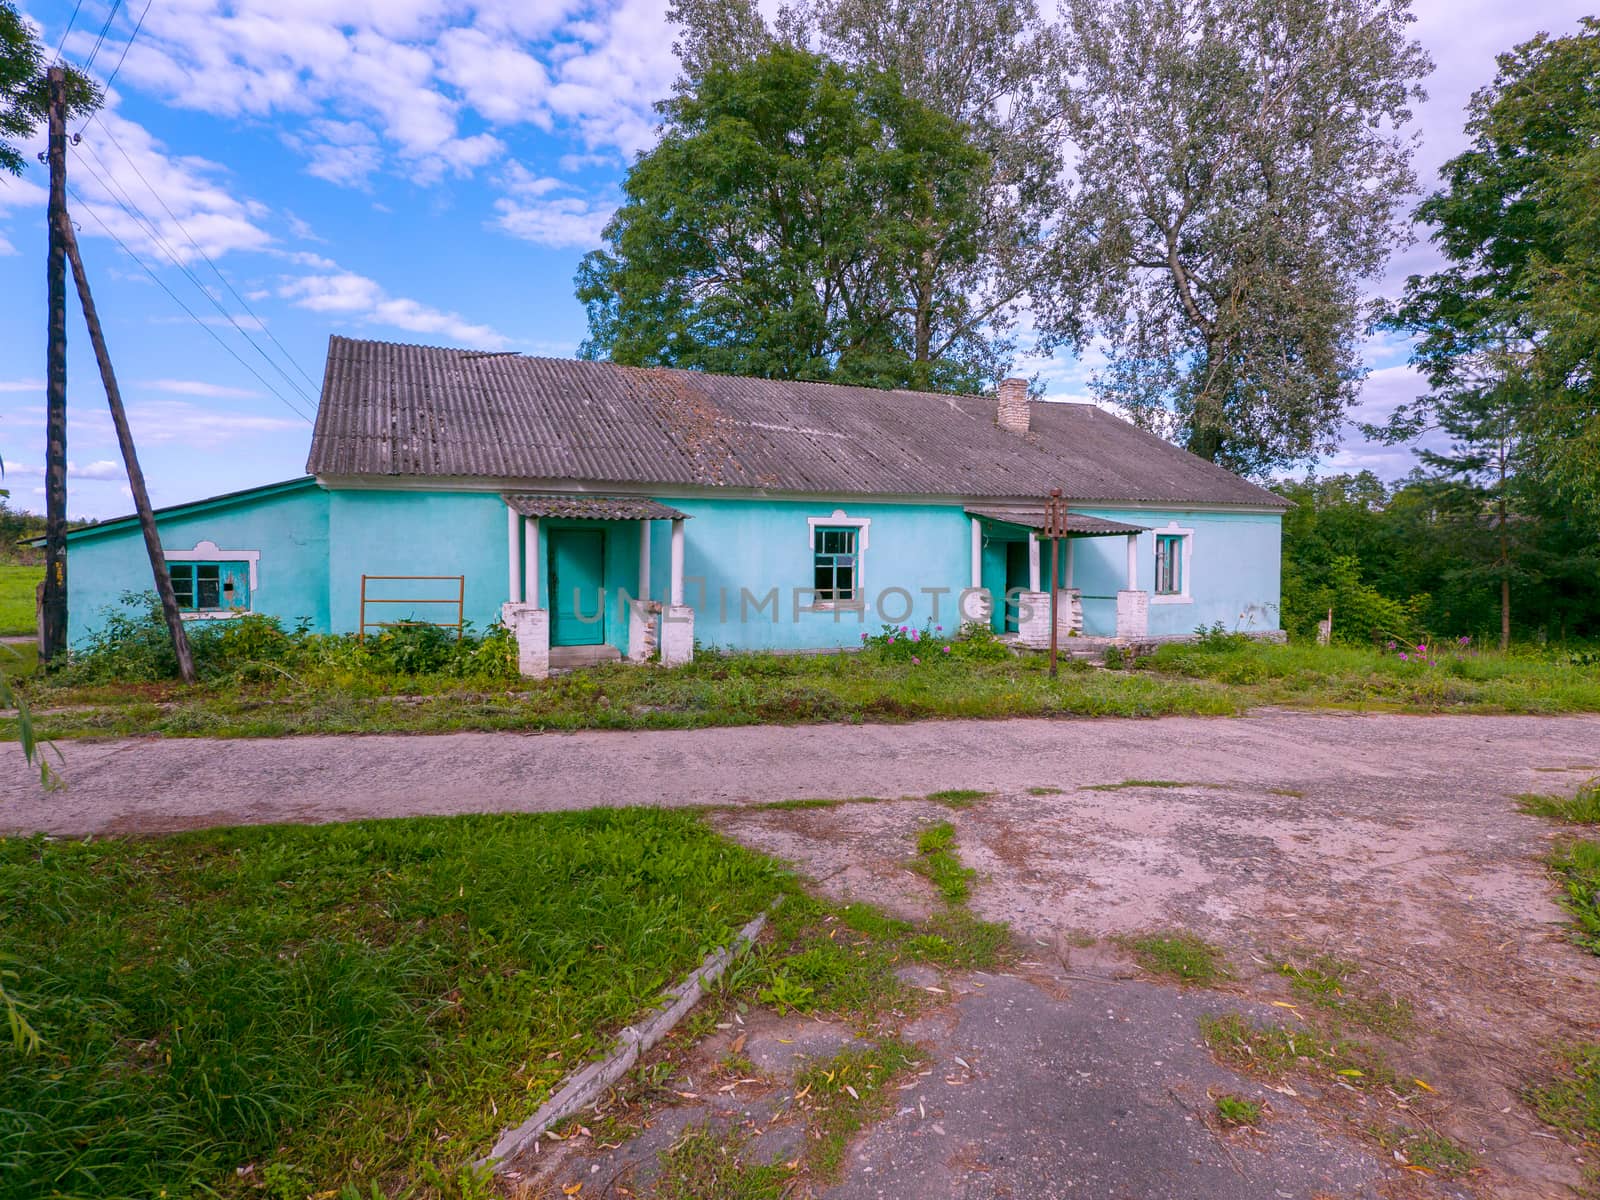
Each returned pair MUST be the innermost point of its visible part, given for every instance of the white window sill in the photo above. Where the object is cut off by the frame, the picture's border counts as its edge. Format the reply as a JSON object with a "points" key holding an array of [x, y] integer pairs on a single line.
{"points": [[1171, 599], [828, 606], [226, 614]]}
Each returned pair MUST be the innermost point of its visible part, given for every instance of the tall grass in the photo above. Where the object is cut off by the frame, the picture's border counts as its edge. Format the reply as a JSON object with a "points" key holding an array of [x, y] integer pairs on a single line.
{"points": [[334, 1005], [331, 686]]}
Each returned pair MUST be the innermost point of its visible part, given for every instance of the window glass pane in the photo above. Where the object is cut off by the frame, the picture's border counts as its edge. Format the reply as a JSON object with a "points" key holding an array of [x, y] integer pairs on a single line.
{"points": [[183, 583], [846, 582]]}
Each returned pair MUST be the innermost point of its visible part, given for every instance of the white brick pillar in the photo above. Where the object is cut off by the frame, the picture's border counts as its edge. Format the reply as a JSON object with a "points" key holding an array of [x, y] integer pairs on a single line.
{"points": [[530, 627], [642, 636], [1033, 619], [1133, 613], [677, 620]]}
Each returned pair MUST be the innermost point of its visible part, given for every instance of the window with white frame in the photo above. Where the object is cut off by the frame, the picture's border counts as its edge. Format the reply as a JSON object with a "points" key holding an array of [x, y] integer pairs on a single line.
{"points": [[836, 565], [211, 587], [212, 582], [838, 555], [1172, 564]]}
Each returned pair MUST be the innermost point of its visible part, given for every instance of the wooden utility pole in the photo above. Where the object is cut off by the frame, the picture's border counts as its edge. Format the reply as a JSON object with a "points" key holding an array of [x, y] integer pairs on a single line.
{"points": [[1055, 528], [141, 497], [53, 617]]}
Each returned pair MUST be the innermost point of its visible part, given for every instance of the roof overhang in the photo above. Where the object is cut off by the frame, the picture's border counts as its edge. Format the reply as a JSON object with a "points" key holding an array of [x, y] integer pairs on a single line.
{"points": [[591, 508], [1032, 517]]}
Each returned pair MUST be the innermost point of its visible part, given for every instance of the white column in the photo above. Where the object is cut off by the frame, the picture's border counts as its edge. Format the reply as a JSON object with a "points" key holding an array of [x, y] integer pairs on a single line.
{"points": [[1067, 582], [677, 562], [514, 545], [644, 558], [977, 553], [1133, 562], [1033, 561], [530, 559]]}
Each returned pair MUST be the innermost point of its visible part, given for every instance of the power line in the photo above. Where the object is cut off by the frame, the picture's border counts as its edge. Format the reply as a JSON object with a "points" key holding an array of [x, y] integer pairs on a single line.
{"points": [[148, 270], [128, 45], [105, 28], [65, 33], [147, 226], [284, 350]]}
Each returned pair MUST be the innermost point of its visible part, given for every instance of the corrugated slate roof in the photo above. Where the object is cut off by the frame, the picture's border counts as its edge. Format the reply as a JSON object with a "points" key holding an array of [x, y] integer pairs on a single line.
{"points": [[594, 508], [1033, 518], [418, 411]]}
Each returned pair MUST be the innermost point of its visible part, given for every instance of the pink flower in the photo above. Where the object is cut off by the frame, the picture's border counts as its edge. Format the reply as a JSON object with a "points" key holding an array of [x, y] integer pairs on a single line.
{"points": [[916, 661], [947, 649], [916, 635], [938, 628], [1405, 658]]}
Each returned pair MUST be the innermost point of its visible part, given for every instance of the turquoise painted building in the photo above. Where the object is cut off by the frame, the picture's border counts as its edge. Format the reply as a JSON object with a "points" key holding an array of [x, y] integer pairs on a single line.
{"points": [[603, 511]]}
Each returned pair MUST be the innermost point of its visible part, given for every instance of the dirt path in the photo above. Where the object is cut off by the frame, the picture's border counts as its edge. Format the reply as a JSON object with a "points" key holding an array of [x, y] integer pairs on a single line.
{"points": [[149, 785]]}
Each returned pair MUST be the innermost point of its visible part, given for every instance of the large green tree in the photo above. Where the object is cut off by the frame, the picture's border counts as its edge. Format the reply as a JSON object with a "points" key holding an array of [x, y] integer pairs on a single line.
{"points": [[802, 220], [1508, 331], [1239, 165], [24, 98]]}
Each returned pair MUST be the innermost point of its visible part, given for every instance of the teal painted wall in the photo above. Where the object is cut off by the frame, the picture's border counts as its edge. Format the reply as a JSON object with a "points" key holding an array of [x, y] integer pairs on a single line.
{"points": [[288, 528], [737, 551], [316, 545], [416, 533], [1234, 570]]}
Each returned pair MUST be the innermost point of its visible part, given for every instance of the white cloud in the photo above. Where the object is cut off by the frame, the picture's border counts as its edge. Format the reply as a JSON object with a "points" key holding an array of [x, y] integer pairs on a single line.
{"points": [[6, 248], [349, 294], [186, 209], [21, 385], [532, 212], [198, 387], [104, 469]]}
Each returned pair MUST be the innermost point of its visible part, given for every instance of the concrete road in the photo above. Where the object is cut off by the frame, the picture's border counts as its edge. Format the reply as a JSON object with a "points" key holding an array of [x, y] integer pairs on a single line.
{"points": [[150, 785]]}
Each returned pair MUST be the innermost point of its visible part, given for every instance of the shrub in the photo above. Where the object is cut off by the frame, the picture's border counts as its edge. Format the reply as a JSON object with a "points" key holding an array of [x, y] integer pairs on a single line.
{"points": [[1360, 612], [133, 646]]}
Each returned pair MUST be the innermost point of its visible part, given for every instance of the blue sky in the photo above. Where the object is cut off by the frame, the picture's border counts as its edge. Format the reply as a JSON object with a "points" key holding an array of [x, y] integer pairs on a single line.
{"points": [[417, 170]]}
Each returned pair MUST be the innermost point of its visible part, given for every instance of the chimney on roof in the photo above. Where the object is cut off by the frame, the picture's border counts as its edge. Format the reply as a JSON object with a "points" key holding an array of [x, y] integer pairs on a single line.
{"points": [[1011, 412]]}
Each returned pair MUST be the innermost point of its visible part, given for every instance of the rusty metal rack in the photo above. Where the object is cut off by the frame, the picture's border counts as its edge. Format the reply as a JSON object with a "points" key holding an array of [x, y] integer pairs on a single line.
{"points": [[459, 601]]}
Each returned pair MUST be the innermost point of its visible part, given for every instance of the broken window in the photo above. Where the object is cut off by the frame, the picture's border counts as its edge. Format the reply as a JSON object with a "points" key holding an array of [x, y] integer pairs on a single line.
{"points": [[836, 565], [211, 586]]}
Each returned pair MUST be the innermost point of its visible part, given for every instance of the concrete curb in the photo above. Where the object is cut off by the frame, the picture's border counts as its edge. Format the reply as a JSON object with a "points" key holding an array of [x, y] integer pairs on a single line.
{"points": [[587, 1083]]}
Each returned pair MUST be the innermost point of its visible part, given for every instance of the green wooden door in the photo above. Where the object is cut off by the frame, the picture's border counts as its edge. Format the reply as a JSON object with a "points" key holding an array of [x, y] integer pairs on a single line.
{"points": [[577, 568], [1018, 575]]}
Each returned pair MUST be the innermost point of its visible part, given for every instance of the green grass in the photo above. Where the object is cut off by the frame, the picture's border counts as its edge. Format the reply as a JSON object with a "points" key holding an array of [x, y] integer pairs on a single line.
{"points": [[18, 610], [957, 797], [1237, 1110], [1278, 1050], [1578, 866], [1570, 1102], [843, 1094], [1144, 783], [1044, 790], [1583, 808], [707, 1165], [1424, 1148], [841, 960], [362, 1004], [1331, 984], [744, 689], [938, 861], [1178, 956]]}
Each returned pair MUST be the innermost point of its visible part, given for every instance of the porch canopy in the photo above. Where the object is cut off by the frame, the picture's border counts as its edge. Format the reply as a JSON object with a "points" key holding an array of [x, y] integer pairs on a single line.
{"points": [[525, 509], [593, 508], [1031, 516]]}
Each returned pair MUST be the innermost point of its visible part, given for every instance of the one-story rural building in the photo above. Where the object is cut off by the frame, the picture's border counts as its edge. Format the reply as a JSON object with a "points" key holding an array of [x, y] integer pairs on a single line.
{"points": [[604, 511]]}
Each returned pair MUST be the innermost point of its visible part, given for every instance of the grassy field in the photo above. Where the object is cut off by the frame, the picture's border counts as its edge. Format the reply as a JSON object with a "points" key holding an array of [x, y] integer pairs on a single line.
{"points": [[257, 700], [17, 584], [283, 1011]]}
